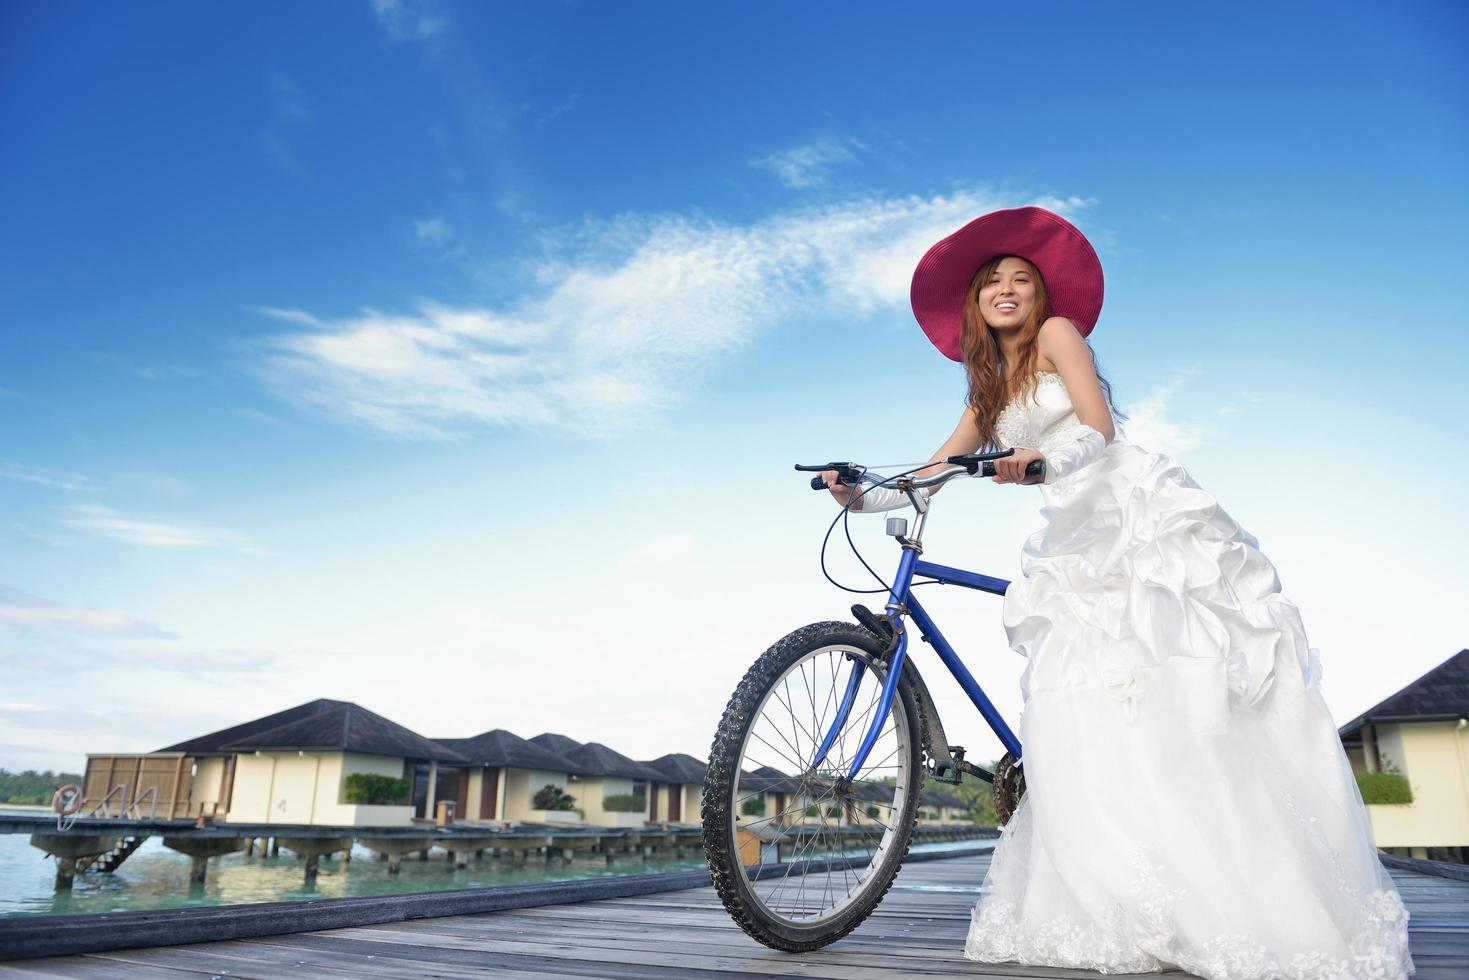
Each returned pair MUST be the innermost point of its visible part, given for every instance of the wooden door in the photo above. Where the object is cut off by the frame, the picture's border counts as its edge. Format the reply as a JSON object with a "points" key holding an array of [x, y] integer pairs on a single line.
{"points": [[675, 803], [461, 796], [489, 793]]}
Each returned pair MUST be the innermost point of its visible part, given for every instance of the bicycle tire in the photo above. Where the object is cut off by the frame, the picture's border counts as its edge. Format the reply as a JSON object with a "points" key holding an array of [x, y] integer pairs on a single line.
{"points": [[721, 847]]}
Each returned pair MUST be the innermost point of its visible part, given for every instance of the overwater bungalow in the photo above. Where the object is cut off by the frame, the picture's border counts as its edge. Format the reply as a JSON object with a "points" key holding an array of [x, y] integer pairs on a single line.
{"points": [[682, 791], [936, 806], [290, 767], [505, 773], [610, 789], [1414, 744]]}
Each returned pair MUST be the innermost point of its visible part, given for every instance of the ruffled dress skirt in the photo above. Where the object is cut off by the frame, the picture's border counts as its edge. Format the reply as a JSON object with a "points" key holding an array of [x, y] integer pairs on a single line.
{"points": [[1188, 801]]}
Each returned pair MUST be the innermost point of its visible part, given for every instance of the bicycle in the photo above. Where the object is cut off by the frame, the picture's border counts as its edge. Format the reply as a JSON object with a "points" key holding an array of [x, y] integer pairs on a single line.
{"points": [[857, 775]]}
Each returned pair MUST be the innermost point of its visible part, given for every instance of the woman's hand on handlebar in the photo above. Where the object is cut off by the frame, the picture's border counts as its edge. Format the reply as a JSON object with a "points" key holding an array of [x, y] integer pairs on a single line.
{"points": [[1011, 469], [840, 491]]}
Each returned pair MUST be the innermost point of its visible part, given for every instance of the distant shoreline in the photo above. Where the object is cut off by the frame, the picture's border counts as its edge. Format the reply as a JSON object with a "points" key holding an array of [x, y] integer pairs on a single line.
{"points": [[26, 807]]}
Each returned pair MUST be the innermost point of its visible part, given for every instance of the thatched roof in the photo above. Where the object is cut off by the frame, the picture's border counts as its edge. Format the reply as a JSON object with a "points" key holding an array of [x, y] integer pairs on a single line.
{"points": [[502, 748], [679, 767], [1442, 694], [321, 725]]}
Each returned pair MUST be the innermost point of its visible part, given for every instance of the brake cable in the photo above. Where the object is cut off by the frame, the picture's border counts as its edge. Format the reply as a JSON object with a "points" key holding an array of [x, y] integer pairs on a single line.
{"points": [[844, 517]]}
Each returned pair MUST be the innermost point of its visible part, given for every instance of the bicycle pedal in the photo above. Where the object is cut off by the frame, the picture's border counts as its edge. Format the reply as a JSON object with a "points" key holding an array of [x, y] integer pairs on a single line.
{"points": [[941, 773]]}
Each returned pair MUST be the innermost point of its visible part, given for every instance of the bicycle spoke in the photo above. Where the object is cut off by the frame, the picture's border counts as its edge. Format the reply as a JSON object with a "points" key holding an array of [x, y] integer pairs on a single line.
{"points": [[830, 843]]}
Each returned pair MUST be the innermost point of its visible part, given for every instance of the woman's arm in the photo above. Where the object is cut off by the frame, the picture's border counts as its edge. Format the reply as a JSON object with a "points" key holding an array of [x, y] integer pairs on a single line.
{"points": [[965, 439], [1060, 341]]}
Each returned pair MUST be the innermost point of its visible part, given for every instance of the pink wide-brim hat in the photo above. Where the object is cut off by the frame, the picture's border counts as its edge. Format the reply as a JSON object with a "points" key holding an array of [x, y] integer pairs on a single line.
{"points": [[1066, 260]]}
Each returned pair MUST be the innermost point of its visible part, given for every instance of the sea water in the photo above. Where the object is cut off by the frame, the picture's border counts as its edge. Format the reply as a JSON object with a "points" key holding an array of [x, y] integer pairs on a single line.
{"points": [[155, 877]]}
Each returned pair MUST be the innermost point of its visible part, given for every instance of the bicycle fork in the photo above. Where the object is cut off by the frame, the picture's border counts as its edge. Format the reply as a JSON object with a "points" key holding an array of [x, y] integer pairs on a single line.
{"points": [[895, 611]]}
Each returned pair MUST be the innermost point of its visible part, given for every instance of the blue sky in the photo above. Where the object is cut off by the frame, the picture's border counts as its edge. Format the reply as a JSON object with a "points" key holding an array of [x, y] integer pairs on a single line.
{"points": [[452, 358]]}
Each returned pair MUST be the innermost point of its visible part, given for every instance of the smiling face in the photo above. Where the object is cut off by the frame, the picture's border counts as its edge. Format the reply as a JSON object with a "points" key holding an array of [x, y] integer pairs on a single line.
{"points": [[1008, 298]]}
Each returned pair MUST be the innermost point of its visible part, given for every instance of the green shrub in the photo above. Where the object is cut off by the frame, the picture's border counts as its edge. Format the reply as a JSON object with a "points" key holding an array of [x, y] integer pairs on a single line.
{"points": [[550, 797], [1384, 787], [813, 810], [370, 788], [874, 812], [31, 787], [625, 803], [753, 807]]}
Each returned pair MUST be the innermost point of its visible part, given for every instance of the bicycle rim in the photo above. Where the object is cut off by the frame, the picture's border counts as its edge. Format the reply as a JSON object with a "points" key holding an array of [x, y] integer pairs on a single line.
{"points": [[836, 844]]}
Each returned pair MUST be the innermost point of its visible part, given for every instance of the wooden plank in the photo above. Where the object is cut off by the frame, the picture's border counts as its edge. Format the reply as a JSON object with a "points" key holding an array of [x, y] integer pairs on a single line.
{"points": [[848, 957], [760, 962], [173, 794], [67, 934], [238, 959], [918, 930]]}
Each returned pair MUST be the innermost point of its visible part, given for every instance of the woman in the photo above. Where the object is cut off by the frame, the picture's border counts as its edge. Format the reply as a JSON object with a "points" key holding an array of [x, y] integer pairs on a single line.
{"points": [[1188, 801]]}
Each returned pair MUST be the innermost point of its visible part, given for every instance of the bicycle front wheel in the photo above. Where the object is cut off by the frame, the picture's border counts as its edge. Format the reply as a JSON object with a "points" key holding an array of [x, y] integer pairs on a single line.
{"points": [[798, 855]]}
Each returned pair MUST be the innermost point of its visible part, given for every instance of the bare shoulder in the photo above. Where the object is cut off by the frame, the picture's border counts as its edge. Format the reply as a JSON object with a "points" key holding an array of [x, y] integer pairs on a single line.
{"points": [[1059, 330], [1062, 344]]}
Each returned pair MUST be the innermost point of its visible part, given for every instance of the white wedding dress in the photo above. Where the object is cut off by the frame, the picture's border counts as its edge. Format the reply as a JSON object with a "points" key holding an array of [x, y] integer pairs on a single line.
{"points": [[1188, 802]]}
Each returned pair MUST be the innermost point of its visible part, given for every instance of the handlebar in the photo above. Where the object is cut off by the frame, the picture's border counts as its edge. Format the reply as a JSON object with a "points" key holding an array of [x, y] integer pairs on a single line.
{"points": [[971, 464]]}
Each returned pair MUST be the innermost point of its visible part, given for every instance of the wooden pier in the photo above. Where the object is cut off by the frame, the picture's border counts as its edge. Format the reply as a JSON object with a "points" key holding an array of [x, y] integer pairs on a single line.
{"points": [[918, 930]]}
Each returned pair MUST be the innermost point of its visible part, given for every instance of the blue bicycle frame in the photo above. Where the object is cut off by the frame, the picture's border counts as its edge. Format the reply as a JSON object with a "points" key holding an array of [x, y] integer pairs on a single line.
{"points": [[901, 599]]}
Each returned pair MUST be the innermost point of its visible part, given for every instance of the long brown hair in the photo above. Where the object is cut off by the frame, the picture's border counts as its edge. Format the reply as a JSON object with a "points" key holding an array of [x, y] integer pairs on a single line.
{"points": [[989, 392]]}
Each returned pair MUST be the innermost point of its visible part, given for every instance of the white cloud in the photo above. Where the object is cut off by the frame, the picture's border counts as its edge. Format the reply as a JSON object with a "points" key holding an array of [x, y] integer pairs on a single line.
{"points": [[406, 20], [57, 479], [155, 484], [1150, 424], [201, 661], [288, 114], [435, 230], [807, 165], [165, 372], [289, 316], [631, 311], [254, 415], [282, 157], [154, 534], [21, 611]]}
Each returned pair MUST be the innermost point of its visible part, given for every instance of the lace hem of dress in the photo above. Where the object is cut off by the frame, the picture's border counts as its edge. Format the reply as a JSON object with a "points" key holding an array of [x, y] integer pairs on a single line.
{"points": [[1147, 943]]}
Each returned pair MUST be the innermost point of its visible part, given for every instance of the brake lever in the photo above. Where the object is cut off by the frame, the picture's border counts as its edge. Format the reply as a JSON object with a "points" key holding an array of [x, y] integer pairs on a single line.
{"points": [[848, 474]]}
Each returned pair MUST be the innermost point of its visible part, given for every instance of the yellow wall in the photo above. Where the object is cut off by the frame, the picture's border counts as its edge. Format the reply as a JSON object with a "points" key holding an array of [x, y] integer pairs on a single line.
{"points": [[472, 796], [309, 788], [520, 785], [1435, 758], [204, 790], [593, 791], [690, 794], [250, 802]]}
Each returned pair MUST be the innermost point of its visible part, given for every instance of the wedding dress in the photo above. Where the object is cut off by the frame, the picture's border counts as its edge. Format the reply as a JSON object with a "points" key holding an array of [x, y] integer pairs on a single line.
{"points": [[1188, 802]]}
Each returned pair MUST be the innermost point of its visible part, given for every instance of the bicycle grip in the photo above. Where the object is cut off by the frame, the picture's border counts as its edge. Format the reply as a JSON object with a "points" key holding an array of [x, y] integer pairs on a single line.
{"points": [[1036, 467]]}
